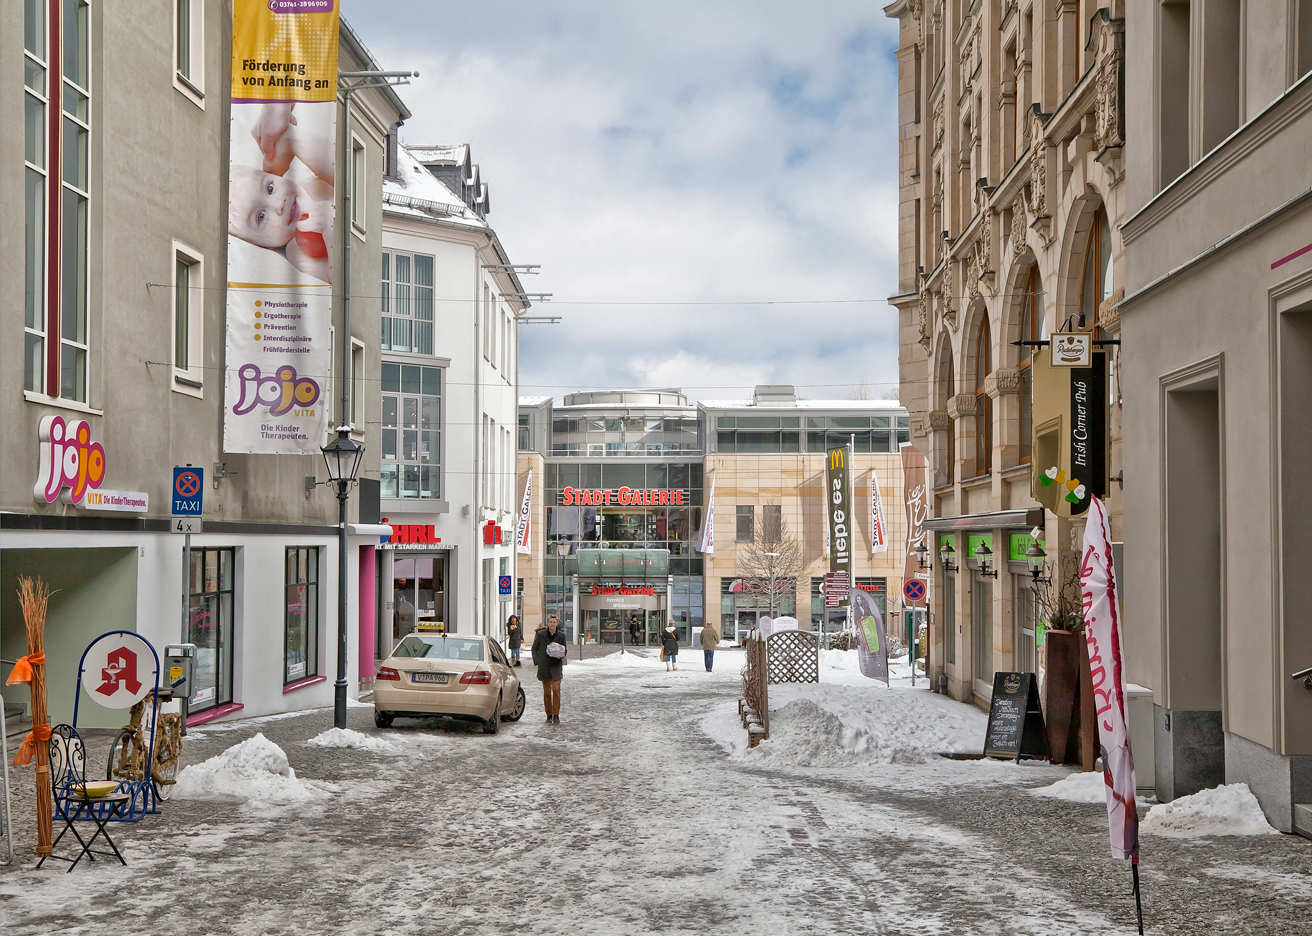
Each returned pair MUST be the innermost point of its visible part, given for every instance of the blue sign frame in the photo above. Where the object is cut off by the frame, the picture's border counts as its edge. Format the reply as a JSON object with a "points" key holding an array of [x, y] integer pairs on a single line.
{"points": [[187, 496]]}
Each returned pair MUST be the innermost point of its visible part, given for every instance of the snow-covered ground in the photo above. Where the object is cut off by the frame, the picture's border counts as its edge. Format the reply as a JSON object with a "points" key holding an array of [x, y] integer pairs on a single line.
{"points": [[643, 813]]}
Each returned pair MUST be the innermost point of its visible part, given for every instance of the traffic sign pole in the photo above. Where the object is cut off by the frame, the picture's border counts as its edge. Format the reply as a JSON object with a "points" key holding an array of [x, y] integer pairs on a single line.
{"points": [[187, 500]]}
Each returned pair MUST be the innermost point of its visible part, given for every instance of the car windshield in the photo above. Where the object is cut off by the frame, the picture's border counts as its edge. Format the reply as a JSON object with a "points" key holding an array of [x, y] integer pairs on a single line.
{"points": [[440, 647]]}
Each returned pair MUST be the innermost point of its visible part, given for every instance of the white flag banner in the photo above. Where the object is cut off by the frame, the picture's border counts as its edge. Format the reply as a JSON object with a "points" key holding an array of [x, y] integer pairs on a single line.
{"points": [[878, 526], [707, 545], [522, 545], [1102, 632]]}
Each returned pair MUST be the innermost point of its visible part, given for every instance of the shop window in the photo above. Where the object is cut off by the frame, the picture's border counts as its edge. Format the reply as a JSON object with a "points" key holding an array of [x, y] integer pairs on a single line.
{"points": [[406, 299], [950, 617], [411, 431], [982, 625], [746, 523], [301, 614], [209, 625]]}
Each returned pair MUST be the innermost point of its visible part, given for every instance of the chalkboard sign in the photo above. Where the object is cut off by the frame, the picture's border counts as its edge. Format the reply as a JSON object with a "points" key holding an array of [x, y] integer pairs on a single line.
{"points": [[1015, 718]]}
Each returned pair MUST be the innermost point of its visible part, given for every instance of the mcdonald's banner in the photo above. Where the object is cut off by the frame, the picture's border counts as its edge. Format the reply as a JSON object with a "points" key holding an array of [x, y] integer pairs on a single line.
{"points": [[281, 190], [842, 518], [1069, 460]]}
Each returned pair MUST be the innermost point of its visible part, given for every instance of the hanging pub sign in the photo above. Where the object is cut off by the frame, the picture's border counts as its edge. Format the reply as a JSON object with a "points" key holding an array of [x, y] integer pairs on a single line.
{"points": [[1071, 349], [623, 497], [1070, 434], [842, 521]]}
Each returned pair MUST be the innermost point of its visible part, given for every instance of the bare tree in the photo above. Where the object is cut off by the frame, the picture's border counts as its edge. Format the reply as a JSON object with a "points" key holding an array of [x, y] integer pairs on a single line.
{"points": [[859, 390], [772, 562]]}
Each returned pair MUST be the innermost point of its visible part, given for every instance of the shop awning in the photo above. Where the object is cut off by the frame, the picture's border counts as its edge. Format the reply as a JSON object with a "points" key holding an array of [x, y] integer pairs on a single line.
{"points": [[997, 520]]}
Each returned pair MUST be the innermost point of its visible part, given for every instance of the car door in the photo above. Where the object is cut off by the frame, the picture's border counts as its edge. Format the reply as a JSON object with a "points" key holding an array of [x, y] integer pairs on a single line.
{"points": [[503, 673]]}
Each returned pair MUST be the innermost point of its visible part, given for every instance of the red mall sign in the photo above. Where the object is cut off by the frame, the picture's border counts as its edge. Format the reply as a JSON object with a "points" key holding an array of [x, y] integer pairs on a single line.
{"points": [[623, 497], [413, 533], [648, 590]]}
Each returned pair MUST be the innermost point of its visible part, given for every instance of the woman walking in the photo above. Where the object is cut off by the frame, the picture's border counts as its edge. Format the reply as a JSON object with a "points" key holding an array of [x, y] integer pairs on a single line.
{"points": [[514, 638], [549, 648], [670, 648]]}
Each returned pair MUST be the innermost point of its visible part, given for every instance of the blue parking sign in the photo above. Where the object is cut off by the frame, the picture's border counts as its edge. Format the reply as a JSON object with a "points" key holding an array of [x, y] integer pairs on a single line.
{"points": [[503, 585], [188, 495]]}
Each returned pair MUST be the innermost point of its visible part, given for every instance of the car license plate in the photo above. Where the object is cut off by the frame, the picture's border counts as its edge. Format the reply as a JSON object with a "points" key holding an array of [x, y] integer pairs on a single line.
{"points": [[439, 678]]}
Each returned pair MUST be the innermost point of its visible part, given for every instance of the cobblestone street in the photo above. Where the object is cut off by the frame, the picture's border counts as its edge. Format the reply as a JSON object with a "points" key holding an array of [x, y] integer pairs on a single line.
{"points": [[627, 818]]}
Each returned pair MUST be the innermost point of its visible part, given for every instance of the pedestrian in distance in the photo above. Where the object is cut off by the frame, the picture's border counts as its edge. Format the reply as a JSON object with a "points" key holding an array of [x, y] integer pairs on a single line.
{"points": [[635, 630], [549, 648], [710, 640], [670, 648], [514, 639]]}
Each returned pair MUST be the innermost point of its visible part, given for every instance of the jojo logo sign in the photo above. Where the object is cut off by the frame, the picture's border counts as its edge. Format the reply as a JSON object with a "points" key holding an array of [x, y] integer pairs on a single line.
{"points": [[71, 463], [280, 391]]}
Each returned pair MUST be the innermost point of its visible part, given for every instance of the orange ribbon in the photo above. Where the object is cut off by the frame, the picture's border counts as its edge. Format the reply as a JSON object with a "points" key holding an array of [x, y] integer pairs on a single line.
{"points": [[27, 750], [23, 668]]}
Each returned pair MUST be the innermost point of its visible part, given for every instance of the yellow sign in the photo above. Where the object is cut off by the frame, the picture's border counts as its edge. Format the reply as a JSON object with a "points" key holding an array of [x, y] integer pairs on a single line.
{"points": [[284, 50], [175, 673]]}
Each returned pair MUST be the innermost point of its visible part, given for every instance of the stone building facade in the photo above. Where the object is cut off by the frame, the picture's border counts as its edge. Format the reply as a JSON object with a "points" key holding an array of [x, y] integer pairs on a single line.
{"points": [[1011, 192]]}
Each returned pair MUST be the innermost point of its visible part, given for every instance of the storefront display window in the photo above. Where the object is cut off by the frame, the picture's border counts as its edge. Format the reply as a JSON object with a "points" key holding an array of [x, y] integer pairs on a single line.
{"points": [[982, 624], [209, 625], [411, 432], [418, 594], [301, 614]]}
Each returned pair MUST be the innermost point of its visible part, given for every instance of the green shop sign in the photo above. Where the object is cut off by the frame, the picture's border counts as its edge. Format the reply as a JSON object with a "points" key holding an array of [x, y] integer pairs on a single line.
{"points": [[1019, 544], [975, 541]]}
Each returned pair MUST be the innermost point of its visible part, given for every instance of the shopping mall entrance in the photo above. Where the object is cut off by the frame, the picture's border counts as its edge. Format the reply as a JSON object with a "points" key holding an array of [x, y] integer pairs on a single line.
{"points": [[629, 620], [419, 594]]}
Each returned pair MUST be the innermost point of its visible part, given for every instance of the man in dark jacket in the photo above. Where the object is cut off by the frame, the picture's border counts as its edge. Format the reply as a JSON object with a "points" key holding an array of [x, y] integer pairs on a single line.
{"points": [[551, 665], [670, 645], [514, 638]]}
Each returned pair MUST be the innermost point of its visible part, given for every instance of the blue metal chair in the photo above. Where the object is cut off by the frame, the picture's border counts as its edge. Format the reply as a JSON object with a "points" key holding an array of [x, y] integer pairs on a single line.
{"points": [[68, 758]]}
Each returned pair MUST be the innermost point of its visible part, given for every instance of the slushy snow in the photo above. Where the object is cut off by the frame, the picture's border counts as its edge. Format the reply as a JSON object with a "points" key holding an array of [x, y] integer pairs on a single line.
{"points": [[256, 770], [1225, 810], [349, 738]]}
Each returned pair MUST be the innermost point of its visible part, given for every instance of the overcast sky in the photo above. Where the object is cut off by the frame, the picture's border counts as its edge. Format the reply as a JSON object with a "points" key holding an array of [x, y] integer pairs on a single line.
{"points": [[709, 156]]}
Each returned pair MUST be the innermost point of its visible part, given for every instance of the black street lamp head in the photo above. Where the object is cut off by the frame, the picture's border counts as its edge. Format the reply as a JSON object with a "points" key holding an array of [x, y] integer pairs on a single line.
{"points": [[342, 456], [1035, 556]]}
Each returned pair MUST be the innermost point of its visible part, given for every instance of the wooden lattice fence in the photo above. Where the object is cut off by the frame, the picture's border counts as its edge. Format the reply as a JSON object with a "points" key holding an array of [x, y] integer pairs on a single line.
{"points": [[793, 656], [754, 706]]}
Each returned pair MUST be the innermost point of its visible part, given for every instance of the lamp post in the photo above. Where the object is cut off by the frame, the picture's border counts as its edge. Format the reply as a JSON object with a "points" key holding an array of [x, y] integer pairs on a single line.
{"points": [[342, 456], [985, 561], [1036, 557], [946, 556]]}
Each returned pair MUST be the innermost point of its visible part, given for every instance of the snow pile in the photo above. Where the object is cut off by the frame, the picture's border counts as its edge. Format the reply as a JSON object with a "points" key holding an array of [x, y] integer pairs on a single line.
{"points": [[626, 660], [1225, 810], [256, 770], [348, 738], [830, 725], [1077, 788]]}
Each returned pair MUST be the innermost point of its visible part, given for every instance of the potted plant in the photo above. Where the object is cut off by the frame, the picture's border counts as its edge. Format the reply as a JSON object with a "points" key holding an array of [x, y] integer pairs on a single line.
{"points": [[1067, 687]]}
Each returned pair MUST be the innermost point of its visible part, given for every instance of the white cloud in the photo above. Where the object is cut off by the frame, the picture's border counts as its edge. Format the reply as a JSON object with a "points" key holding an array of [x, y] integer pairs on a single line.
{"points": [[675, 153]]}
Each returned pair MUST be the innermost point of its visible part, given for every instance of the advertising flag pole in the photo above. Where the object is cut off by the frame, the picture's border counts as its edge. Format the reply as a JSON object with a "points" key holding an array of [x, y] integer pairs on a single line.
{"points": [[1138, 905]]}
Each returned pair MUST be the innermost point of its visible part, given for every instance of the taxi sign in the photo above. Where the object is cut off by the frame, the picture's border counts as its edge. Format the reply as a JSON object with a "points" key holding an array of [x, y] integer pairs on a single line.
{"points": [[187, 499]]}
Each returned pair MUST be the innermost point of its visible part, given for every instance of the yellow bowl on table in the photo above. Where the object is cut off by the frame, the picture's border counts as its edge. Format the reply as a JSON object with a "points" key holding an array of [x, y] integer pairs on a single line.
{"points": [[94, 789]]}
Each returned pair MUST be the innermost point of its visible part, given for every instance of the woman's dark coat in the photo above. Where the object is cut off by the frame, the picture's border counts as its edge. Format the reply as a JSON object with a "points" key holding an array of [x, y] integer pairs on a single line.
{"points": [[550, 669], [670, 644]]}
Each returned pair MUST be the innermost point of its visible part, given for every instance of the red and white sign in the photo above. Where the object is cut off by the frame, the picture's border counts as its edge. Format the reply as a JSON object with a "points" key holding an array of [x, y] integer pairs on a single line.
{"points": [[878, 527], [414, 533], [1102, 632], [119, 670], [622, 497], [647, 590], [707, 544], [525, 510]]}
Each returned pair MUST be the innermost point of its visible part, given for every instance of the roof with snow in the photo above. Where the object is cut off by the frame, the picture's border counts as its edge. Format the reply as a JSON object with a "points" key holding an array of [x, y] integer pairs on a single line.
{"points": [[418, 192]]}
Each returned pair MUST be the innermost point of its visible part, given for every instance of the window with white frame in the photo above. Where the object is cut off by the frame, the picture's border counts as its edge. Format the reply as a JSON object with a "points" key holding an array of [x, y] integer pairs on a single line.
{"points": [[411, 431], [407, 302], [189, 49], [35, 122], [356, 414], [75, 200], [359, 185], [486, 321], [188, 320]]}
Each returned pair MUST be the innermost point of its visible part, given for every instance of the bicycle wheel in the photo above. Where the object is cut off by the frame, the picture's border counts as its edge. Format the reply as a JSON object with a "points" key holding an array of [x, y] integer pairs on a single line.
{"points": [[124, 757], [168, 752]]}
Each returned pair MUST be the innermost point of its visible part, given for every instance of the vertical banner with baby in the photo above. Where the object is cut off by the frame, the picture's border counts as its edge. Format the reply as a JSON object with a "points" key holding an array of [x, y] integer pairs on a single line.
{"points": [[280, 225]]}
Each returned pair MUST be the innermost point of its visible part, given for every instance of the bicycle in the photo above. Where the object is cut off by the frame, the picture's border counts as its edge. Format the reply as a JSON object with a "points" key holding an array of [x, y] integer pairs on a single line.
{"points": [[127, 755]]}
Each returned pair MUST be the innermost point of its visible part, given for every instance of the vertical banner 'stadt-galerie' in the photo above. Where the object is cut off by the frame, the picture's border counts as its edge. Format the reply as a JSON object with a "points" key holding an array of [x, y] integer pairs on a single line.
{"points": [[280, 225]]}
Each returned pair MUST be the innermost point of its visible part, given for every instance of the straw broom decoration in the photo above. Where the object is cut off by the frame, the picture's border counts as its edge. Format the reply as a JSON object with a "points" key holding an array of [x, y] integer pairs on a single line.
{"points": [[34, 596]]}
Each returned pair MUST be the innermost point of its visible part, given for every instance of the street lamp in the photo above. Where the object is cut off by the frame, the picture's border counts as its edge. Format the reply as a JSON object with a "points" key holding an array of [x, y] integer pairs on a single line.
{"points": [[946, 556], [985, 561], [342, 456], [1036, 557], [921, 551]]}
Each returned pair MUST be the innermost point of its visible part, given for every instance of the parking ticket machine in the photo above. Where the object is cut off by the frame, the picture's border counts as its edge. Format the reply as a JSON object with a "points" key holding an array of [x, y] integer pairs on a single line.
{"points": [[179, 671]]}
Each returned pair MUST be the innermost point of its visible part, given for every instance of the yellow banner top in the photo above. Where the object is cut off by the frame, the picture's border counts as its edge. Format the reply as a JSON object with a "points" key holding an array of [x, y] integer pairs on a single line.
{"points": [[284, 50]]}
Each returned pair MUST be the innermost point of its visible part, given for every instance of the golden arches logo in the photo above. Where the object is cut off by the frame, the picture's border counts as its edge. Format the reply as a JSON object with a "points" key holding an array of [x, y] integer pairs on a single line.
{"points": [[837, 458]]}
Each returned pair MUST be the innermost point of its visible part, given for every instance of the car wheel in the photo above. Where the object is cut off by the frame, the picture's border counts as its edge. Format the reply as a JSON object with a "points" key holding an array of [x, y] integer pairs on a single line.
{"points": [[491, 725], [520, 701], [383, 719]]}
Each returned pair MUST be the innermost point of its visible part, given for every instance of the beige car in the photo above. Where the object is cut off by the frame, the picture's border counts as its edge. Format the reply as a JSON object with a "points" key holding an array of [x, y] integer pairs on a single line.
{"points": [[458, 675]]}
